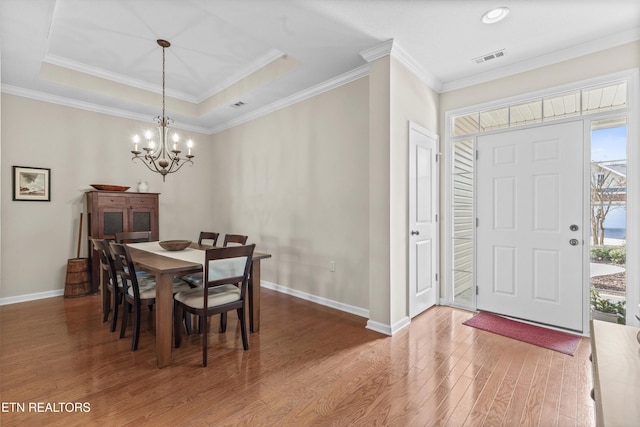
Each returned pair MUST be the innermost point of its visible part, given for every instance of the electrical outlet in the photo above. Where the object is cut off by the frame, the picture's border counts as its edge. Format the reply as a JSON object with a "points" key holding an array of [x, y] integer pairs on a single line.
{"points": [[332, 266]]}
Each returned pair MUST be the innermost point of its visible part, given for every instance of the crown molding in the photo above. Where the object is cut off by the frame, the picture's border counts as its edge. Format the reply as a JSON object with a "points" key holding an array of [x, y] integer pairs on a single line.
{"points": [[379, 51], [328, 85], [67, 102], [118, 78], [261, 62], [572, 52], [407, 60], [393, 49]]}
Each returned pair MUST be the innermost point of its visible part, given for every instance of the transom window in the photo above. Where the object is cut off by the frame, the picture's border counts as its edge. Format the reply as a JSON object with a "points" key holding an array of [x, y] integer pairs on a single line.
{"points": [[558, 106]]}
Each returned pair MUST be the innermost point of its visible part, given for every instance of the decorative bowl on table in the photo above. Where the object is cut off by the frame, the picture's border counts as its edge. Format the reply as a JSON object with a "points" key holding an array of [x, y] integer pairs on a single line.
{"points": [[106, 187], [175, 245]]}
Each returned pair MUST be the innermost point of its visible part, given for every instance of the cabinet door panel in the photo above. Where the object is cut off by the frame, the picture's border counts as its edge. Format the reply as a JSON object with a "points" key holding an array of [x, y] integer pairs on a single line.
{"points": [[112, 222], [141, 220]]}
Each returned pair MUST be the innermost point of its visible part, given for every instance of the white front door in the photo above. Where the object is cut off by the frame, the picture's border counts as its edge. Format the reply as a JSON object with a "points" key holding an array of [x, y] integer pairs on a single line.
{"points": [[530, 222], [423, 219]]}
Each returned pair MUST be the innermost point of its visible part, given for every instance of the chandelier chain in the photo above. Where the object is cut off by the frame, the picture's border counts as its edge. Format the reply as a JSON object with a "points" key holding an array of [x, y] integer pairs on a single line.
{"points": [[163, 78]]}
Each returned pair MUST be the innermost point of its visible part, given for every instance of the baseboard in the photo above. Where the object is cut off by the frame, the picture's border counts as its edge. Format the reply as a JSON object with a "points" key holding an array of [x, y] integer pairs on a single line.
{"points": [[383, 328], [31, 297], [373, 325], [358, 311]]}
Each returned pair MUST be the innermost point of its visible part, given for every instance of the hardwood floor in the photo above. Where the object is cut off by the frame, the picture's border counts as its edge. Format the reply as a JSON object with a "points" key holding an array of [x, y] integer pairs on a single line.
{"points": [[309, 365]]}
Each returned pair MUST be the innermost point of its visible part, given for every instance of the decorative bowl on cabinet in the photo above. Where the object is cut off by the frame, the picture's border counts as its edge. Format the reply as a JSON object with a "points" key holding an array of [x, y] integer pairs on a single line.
{"points": [[106, 187]]}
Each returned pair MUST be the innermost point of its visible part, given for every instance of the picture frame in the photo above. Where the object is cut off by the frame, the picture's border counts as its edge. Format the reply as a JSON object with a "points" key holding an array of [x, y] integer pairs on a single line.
{"points": [[31, 184]]}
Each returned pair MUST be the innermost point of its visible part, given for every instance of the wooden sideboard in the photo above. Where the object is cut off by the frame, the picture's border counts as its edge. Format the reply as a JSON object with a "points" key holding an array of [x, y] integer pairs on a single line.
{"points": [[615, 353], [110, 212]]}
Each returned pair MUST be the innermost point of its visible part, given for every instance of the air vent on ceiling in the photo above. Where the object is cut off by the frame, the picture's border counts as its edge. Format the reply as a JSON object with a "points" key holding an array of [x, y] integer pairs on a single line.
{"points": [[489, 56], [238, 104]]}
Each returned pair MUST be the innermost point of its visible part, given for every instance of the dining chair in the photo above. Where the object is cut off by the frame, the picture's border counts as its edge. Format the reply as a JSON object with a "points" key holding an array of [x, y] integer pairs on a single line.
{"points": [[223, 269], [136, 237], [136, 291], [234, 238], [112, 283], [195, 279], [133, 237], [208, 235]]}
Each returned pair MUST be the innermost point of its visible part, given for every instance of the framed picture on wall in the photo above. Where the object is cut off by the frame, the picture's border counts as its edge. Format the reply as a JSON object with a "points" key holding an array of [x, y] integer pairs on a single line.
{"points": [[31, 184]]}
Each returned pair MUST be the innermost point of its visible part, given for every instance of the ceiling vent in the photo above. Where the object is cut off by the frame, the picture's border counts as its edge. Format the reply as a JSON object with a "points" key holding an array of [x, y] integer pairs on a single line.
{"points": [[490, 56], [238, 104]]}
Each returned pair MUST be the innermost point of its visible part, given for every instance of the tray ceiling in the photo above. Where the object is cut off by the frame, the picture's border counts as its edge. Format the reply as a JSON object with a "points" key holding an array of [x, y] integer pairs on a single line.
{"points": [[102, 54]]}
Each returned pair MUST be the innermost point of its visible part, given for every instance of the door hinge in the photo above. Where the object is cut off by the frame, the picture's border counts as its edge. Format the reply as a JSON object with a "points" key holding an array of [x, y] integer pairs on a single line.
{"points": [[477, 222], [437, 157], [477, 290], [436, 217], [436, 277], [477, 155]]}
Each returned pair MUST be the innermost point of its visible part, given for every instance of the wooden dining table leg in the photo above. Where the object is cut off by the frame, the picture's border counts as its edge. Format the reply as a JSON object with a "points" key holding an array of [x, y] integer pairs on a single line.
{"points": [[105, 295], [254, 296], [164, 318]]}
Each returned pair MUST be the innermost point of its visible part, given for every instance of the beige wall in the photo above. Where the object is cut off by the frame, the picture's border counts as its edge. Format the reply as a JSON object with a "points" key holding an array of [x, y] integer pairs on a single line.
{"points": [[397, 96], [296, 181], [322, 180], [411, 100], [378, 209], [81, 148], [621, 58]]}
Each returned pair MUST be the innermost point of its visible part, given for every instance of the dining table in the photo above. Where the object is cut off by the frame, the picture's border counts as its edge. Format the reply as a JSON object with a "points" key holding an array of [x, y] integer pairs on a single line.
{"points": [[166, 265]]}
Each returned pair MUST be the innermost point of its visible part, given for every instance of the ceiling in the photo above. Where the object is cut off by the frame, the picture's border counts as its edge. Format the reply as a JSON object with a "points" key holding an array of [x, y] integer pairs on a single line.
{"points": [[102, 55]]}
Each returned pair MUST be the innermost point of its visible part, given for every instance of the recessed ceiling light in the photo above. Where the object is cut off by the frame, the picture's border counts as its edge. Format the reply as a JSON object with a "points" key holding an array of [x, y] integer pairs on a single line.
{"points": [[494, 15]]}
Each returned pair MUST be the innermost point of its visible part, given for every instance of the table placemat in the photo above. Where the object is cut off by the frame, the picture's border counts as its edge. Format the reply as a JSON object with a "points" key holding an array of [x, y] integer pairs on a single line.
{"points": [[217, 269]]}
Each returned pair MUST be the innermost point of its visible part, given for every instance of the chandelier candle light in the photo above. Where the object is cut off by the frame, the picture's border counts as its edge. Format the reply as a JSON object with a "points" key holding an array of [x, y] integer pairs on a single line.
{"points": [[160, 158]]}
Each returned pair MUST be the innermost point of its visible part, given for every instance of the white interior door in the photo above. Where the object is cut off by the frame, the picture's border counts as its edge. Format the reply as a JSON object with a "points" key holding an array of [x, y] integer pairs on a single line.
{"points": [[423, 219], [530, 201]]}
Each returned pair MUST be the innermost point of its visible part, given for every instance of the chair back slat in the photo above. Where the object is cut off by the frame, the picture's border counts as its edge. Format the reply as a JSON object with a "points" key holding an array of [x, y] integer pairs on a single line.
{"points": [[235, 238], [133, 237], [208, 235]]}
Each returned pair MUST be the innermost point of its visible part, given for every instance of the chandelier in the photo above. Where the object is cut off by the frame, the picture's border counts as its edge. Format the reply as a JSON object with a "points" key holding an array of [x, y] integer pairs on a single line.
{"points": [[159, 157]]}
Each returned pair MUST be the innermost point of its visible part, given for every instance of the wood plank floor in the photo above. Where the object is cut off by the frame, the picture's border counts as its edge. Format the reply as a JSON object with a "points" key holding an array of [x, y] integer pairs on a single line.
{"points": [[309, 365]]}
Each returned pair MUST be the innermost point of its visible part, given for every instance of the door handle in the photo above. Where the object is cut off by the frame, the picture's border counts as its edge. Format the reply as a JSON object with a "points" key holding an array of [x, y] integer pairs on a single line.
{"points": [[414, 232], [574, 242]]}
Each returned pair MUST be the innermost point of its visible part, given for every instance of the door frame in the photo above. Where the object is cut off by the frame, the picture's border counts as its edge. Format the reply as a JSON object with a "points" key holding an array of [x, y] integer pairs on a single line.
{"points": [[632, 77], [435, 185]]}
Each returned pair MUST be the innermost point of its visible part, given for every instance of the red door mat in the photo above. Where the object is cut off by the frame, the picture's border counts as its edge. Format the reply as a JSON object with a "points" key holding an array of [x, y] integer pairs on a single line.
{"points": [[536, 335]]}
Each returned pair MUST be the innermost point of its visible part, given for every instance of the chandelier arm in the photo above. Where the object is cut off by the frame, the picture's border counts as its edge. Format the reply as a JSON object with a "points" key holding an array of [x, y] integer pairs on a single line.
{"points": [[147, 162], [180, 165]]}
